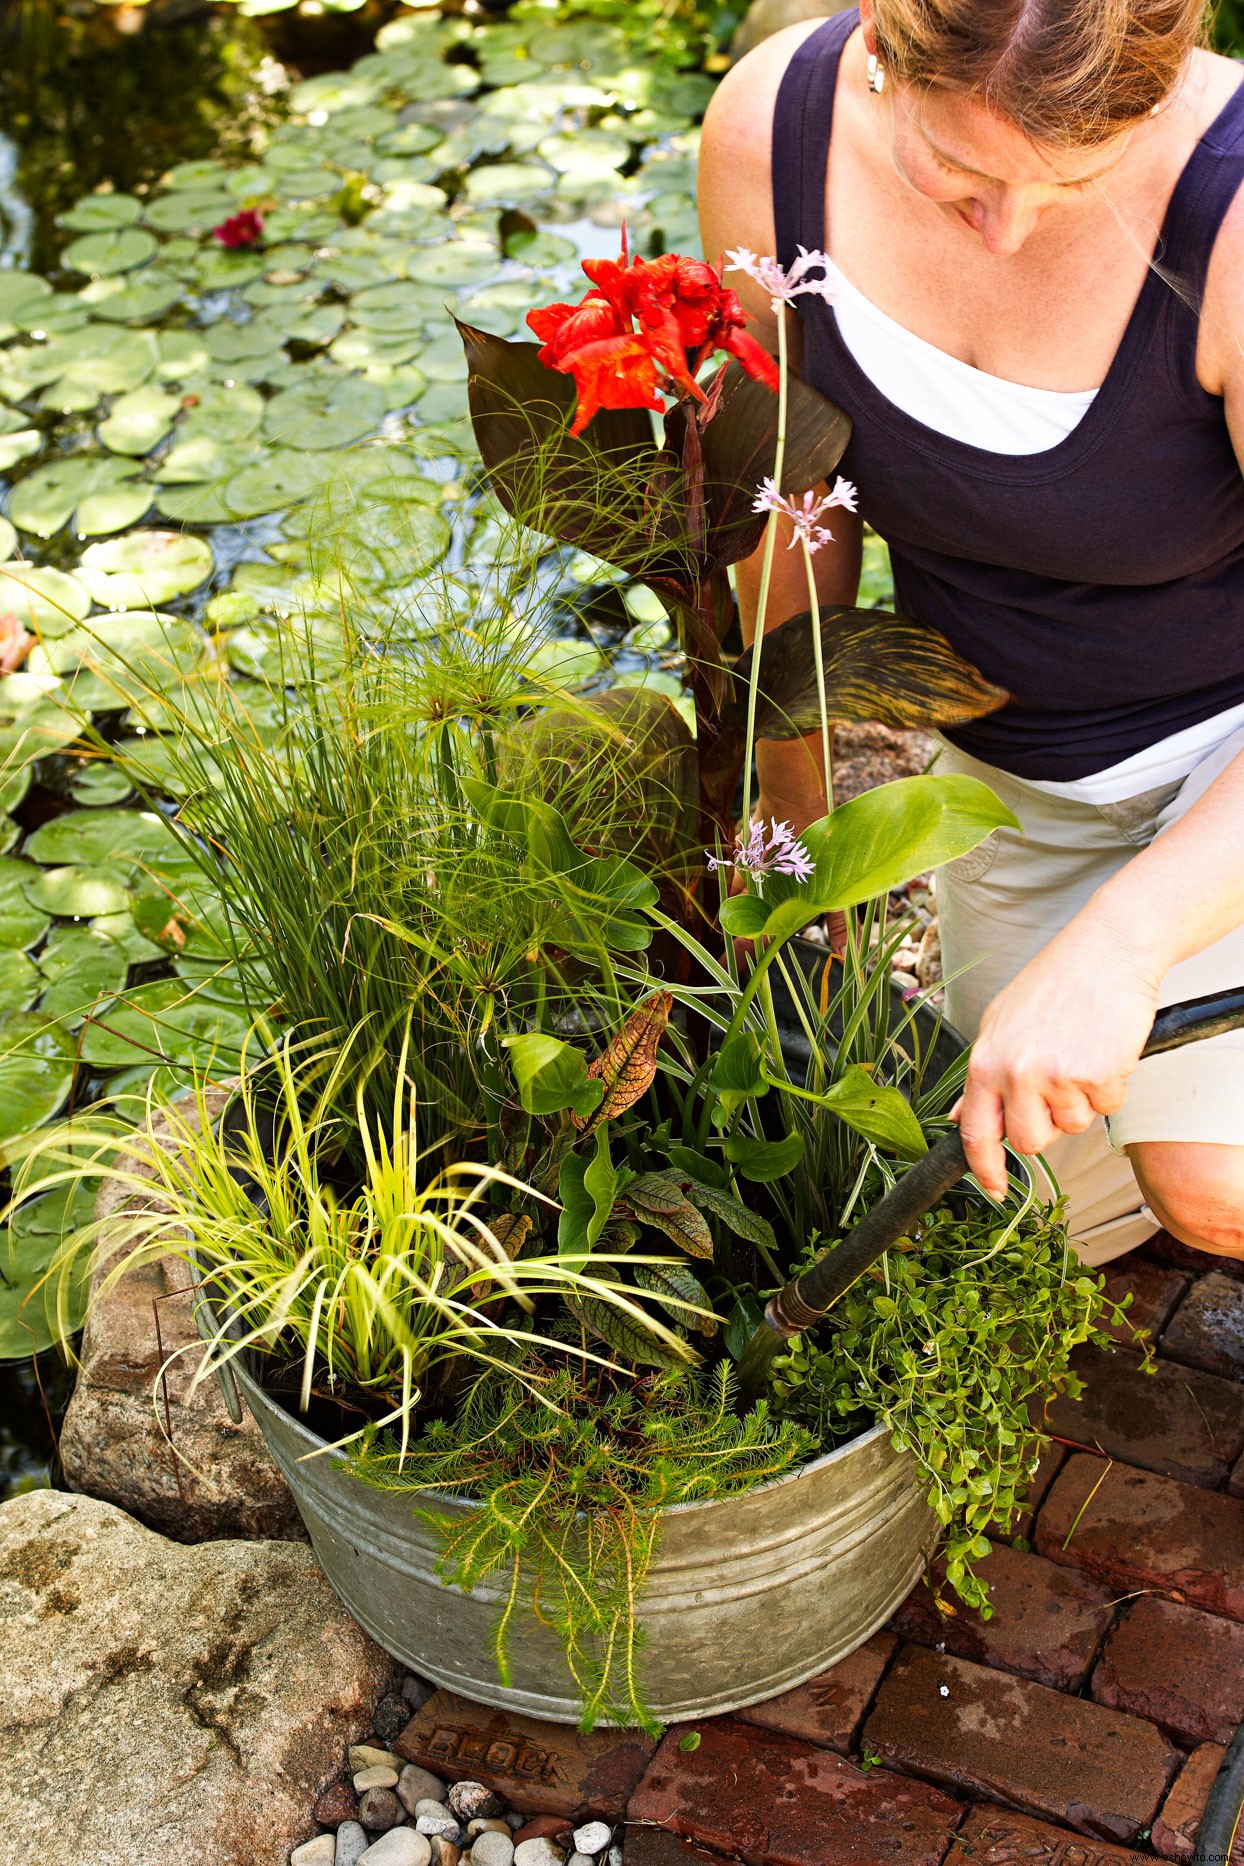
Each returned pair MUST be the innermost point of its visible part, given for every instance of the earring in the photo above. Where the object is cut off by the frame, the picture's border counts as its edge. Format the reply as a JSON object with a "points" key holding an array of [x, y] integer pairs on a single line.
{"points": [[876, 75]]}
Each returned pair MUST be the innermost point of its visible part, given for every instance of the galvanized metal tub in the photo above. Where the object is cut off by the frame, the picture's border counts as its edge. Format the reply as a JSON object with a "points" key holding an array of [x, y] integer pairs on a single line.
{"points": [[745, 1598]]}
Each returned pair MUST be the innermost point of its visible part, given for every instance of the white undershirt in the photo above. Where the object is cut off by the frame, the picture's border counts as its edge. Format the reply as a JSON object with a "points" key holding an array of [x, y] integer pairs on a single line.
{"points": [[968, 404]]}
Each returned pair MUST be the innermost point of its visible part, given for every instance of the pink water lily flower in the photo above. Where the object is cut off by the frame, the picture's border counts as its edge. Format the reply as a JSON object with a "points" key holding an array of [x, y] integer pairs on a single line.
{"points": [[783, 286], [805, 514], [778, 853]]}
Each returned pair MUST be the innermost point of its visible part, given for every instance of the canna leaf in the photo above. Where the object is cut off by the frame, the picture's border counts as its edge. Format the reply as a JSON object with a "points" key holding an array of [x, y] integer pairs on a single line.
{"points": [[740, 1218], [626, 1068], [877, 666], [677, 1280]]}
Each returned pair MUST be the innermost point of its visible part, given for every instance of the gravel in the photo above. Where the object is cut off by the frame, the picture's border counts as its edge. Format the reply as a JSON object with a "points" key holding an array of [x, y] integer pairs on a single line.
{"points": [[352, 1842], [593, 1837], [492, 1849], [536, 1853], [379, 1809], [402, 1847], [415, 1785], [317, 1852]]}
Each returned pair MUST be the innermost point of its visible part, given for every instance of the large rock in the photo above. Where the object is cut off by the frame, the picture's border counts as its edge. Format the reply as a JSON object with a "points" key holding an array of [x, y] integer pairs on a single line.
{"points": [[137, 1435], [765, 17], [163, 1705]]}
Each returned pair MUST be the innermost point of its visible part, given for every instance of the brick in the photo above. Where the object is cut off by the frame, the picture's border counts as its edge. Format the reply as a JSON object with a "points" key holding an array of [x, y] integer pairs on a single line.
{"points": [[1178, 1421], [1019, 1743], [1163, 1248], [1208, 1329], [996, 1837], [780, 1802], [1155, 1292], [1133, 1530], [1180, 1668], [537, 1767], [652, 1846], [830, 1709], [1049, 1464], [1174, 1831], [1235, 1483], [1047, 1621]]}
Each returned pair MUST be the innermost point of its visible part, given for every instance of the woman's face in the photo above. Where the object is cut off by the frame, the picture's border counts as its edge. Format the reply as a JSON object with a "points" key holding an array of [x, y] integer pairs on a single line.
{"points": [[983, 169]]}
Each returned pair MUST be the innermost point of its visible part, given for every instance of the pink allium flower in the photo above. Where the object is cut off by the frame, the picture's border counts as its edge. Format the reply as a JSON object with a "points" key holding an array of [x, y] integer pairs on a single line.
{"points": [[780, 853], [783, 286], [805, 514], [241, 229]]}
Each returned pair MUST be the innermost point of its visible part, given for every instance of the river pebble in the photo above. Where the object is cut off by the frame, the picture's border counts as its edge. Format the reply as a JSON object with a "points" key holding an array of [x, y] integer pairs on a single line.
{"points": [[592, 1837], [402, 1847], [492, 1849], [541, 1852], [379, 1809], [444, 1852], [352, 1842], [494, 1825], [391, 1717], [441, 1822], [428, 1804], [375, 1777], [415, 1785], [317, 1852], [416, 1691], [366, 1756], [472, 1801]]}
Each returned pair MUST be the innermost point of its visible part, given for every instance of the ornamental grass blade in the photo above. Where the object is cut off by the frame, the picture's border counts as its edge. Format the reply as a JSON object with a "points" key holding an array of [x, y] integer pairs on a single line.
{"points": [[877, 666], [739, 448], [627, 1066], [591, 490]]}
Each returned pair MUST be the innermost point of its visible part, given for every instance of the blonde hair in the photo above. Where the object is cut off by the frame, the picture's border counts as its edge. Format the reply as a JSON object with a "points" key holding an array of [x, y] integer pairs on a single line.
{"points": [[1068, 72]]}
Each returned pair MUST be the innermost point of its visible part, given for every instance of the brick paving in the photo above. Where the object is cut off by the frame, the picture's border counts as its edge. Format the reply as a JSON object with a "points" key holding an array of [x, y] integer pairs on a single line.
{"points": [[1081, 1725]]}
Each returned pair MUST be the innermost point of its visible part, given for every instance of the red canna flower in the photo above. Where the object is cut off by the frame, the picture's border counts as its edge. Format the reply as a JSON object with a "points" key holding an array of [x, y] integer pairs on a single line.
{"points": [[241, 229], [683, 312]]}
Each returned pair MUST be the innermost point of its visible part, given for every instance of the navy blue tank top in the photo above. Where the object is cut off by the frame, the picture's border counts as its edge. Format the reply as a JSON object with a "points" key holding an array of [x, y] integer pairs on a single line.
{"points": [[1101, 581]]}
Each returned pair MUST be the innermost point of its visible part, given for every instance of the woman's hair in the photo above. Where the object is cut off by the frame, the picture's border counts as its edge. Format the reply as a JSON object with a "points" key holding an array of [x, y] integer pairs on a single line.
{"points": [[1069, 72]]}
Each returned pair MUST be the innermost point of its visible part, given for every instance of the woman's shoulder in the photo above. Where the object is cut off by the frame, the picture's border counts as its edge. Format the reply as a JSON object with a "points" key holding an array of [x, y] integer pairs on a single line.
{"points": [[735, 166]]}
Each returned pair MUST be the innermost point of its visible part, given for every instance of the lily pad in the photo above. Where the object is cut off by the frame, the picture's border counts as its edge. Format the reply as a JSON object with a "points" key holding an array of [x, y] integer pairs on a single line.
{"points": [[327, 412], [282, 478], [455, 263], [99, 783], [201, 208], [163, 1022], [20, 982], [32, 723], [47, 602], [195, 504], [97, 213], [78, 967], [98, 837], [34, 1314], [145, 568], [45, 501], [507, 182], [138, 421], [181, 353], [77, 893], [13, 787], [135, 297], [36, 1069], [21, 288], [101, 255], [21, 924], [115, 510], [19, 445]]}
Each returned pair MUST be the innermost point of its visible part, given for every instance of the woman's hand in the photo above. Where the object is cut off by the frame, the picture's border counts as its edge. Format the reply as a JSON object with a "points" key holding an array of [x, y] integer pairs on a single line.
{"points": [[1056, 1048]]}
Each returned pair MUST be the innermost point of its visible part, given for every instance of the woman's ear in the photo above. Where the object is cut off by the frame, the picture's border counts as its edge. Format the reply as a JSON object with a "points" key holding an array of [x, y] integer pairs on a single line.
{"points": [[868, 26]]}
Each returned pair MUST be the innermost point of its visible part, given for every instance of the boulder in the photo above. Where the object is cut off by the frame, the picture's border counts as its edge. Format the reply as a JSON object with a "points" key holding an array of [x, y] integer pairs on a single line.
{"points": [[162, 1705], [765, 17], [139, 1434]]}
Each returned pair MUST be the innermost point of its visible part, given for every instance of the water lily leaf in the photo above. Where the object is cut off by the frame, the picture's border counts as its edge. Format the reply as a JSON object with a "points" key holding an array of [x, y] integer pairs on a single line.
{"points": [[202, 459], [281, 478], [131, 652], [77, 893], [108, 360], [325, 413], [47, 602], [507, 182], [195, 504], [13, 787], [163, 1022], [19, 445], [21, 924], [101, 255], [133, 1091], [20, 982], [221, 271], [21, 288], [115, 510], [203, 172], [135, 297], [359, 349], [145, 568], [284, 657], [97, 213], [32, 723], [29, 1317], [98, 784], [184, 208], [139, 421], [182, 353], [36, 1069], [454, 263], [332, 91], [79, 966], [585, 149], [44, 502], [98, 837]]}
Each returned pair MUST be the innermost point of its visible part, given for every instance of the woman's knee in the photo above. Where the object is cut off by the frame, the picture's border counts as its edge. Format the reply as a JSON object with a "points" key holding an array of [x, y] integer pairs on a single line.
{"points": [[1196, 1190]]}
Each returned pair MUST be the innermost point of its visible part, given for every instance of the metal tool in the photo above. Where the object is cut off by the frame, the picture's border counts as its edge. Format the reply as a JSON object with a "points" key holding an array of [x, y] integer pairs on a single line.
{"points": [[806, 1298]]}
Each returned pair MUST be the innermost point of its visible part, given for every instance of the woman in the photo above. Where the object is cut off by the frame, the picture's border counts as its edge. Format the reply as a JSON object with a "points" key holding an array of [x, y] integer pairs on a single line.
{"points": [[1031, 212]]}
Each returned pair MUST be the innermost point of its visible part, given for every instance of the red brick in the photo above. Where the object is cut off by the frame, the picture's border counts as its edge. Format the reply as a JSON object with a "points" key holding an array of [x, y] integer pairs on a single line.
{"points": [[1154, 1290], [1049, 1464], [996, 1837], [830, 1709], [1178, 1667], [1047, 1621], [1133, 1530], [1177, 1421], [1174, 1831], [1163, 1248], [537, 1767], [957, 1723], [1235, 1483], [545, 1827], [652, 1846], [780, 1802], [1208, 1329]]}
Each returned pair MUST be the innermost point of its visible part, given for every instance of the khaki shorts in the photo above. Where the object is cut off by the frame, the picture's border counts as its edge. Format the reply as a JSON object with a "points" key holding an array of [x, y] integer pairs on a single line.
{"points": [[1000, 905]]}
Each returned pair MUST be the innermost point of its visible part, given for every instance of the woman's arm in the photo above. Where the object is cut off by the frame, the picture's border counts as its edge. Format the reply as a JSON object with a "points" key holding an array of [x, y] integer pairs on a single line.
{"points": [[736, 209]]}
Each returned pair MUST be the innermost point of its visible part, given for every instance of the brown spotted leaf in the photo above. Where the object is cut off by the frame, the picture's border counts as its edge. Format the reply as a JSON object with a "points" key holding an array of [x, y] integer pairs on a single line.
{"points": [[510, 1231], [658, 1200], [627, 1066]]}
